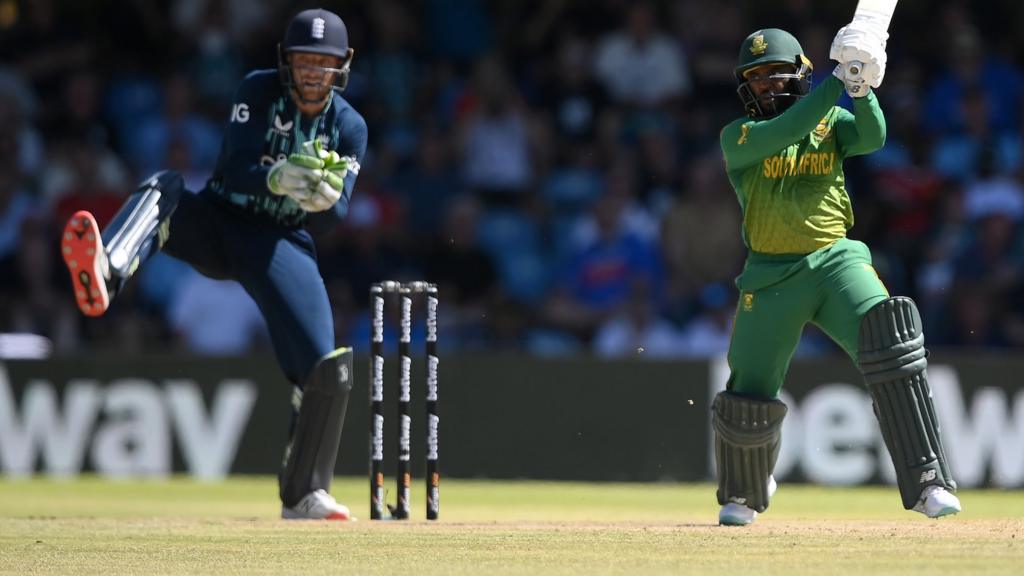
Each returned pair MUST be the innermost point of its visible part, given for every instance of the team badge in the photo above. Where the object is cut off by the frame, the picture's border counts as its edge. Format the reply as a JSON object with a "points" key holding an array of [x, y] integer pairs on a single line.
{"points": [[758, 46], [822, 130], [748, 301]]}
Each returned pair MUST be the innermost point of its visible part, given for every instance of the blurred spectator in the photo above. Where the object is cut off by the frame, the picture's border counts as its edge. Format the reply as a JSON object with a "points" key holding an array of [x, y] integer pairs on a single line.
{"points": [[18, 107], [706, 215], [495, 140], [637, 330], [709, 333], [988, 273], [80, 177], [712, 35], [393, 75], [576, 101], [465, 274], [153, 138], [17, 203], [944, 240], [958, 153], [40, 308], [79, 116], [216, 317], [597, 279], [240, 21], [430, 184], [971, 67], [215, 62], [640, 65]]}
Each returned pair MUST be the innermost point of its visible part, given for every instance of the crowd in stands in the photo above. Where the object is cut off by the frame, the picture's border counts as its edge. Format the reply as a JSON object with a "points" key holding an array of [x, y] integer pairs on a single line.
{"points": [[553, 165]]}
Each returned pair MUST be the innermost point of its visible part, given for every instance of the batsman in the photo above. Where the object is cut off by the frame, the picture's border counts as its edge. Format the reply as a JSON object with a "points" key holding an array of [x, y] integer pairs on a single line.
{"points": [[288, 162], [785, 161]]}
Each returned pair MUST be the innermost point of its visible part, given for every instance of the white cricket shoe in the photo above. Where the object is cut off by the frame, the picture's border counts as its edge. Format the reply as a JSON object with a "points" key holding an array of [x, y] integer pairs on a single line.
{"points": [[317, 505], [936, 502], [736, 514]]}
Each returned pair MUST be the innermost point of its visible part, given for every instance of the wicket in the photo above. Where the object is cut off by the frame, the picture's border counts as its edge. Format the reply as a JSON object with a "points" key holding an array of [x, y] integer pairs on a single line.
{"points": [[405, 292]]}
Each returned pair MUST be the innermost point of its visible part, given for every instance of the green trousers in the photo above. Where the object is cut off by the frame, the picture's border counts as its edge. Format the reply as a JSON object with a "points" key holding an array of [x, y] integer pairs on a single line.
{"points": [[832, 288]]}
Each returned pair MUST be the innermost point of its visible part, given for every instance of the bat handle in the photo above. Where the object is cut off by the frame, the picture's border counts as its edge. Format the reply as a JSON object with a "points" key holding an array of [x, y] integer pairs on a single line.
{"points": [[853, 69]]}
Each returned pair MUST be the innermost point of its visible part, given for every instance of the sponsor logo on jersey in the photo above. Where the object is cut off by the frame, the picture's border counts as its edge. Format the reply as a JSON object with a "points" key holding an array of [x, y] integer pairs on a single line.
{"points": [[240, 113], [282, 128], [744, 132]]}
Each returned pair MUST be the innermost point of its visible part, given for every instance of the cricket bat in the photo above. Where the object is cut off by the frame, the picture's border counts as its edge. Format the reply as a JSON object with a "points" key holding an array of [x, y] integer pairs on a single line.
{"points": [[879, 12]]}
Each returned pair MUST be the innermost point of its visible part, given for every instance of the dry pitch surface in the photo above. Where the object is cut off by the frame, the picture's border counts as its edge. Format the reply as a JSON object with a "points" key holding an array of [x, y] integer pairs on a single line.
{"points": [[94, 526]]}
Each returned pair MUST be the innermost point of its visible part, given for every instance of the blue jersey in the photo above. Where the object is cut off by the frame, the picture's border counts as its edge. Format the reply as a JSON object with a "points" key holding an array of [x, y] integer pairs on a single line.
{"points": [[265, 127]]}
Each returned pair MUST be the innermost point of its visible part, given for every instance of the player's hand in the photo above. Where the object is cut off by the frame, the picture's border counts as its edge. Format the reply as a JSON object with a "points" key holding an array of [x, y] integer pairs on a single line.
{"points": [[296, 176], [855, 87], [863, 44]]}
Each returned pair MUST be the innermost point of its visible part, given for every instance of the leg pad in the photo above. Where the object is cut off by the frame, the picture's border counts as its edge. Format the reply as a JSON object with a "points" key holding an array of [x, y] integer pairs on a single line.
{"points": [[313, 448], [893, 360], [748, 434]]}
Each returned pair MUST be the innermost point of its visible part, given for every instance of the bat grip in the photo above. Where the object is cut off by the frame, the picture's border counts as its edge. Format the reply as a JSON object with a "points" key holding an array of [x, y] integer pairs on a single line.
{"points": [[853, 69]]}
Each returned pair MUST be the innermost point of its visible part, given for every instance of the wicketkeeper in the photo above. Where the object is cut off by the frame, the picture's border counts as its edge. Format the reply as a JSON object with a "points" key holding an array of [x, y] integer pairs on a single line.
{"points": [[785, 161], [289, 158]]}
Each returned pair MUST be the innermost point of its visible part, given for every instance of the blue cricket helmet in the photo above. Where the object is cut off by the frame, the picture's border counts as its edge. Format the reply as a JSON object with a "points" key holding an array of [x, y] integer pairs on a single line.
{"points": [[320, 32]]}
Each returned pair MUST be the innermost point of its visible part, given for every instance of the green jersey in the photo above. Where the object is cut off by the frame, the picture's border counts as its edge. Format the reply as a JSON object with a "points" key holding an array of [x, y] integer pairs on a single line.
{"points": [[788, 170]]}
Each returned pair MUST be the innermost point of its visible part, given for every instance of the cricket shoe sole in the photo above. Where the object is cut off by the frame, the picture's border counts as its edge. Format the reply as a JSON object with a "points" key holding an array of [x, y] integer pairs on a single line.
{"points": [[82, 248]]}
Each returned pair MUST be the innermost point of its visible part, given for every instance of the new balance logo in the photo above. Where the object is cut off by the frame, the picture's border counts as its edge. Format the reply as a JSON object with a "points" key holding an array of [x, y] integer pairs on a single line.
{"points": [[927, 476], [318, 28]]}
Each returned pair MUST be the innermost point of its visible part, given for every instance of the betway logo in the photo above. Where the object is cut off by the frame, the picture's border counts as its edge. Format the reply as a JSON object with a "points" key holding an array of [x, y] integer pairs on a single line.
{"points": [[125, 426], [832, 435]]}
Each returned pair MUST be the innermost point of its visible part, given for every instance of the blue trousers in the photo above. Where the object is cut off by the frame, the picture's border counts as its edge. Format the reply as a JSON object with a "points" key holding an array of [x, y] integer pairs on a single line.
{"points": [[276, 266]]}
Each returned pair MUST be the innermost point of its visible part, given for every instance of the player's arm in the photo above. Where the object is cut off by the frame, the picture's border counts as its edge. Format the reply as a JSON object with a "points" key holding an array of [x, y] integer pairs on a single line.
{"points": [[747, 143], [242, 148], [862, 132]]}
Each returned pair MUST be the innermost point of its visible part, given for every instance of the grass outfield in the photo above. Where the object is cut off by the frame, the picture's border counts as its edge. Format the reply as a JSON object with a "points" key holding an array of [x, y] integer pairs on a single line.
{"points": [[93, 526]]}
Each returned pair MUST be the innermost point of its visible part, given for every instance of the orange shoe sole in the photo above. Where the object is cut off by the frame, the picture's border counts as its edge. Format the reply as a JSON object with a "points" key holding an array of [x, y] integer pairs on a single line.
{"points": [[82, 248]]}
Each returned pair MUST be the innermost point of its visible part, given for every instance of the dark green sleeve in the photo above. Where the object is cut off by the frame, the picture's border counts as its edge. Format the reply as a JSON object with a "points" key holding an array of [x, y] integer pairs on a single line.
{"points": [[747, 143], [862, 132]]}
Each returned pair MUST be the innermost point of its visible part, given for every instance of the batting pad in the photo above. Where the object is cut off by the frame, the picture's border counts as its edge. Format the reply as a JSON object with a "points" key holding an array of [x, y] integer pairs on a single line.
{"points": [[893, 360], [748, 434], [313, 448]]}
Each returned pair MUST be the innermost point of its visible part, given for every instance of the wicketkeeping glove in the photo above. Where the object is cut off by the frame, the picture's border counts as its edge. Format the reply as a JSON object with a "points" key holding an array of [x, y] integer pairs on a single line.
{"points": [[325, 193], [296, 176]]}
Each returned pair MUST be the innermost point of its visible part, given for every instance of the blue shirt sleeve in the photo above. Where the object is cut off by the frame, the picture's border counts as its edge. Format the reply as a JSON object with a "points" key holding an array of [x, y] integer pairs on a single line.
{"points": [[240, 156], [352, 137]]}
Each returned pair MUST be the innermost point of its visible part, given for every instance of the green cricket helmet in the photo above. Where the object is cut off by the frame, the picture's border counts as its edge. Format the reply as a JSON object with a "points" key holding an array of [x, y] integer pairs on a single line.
{"points": [[772, 46]]}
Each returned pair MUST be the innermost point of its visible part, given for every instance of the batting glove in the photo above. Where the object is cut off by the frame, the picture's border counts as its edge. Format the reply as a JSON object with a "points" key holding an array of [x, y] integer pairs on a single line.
{"points": [[865, 45]]}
